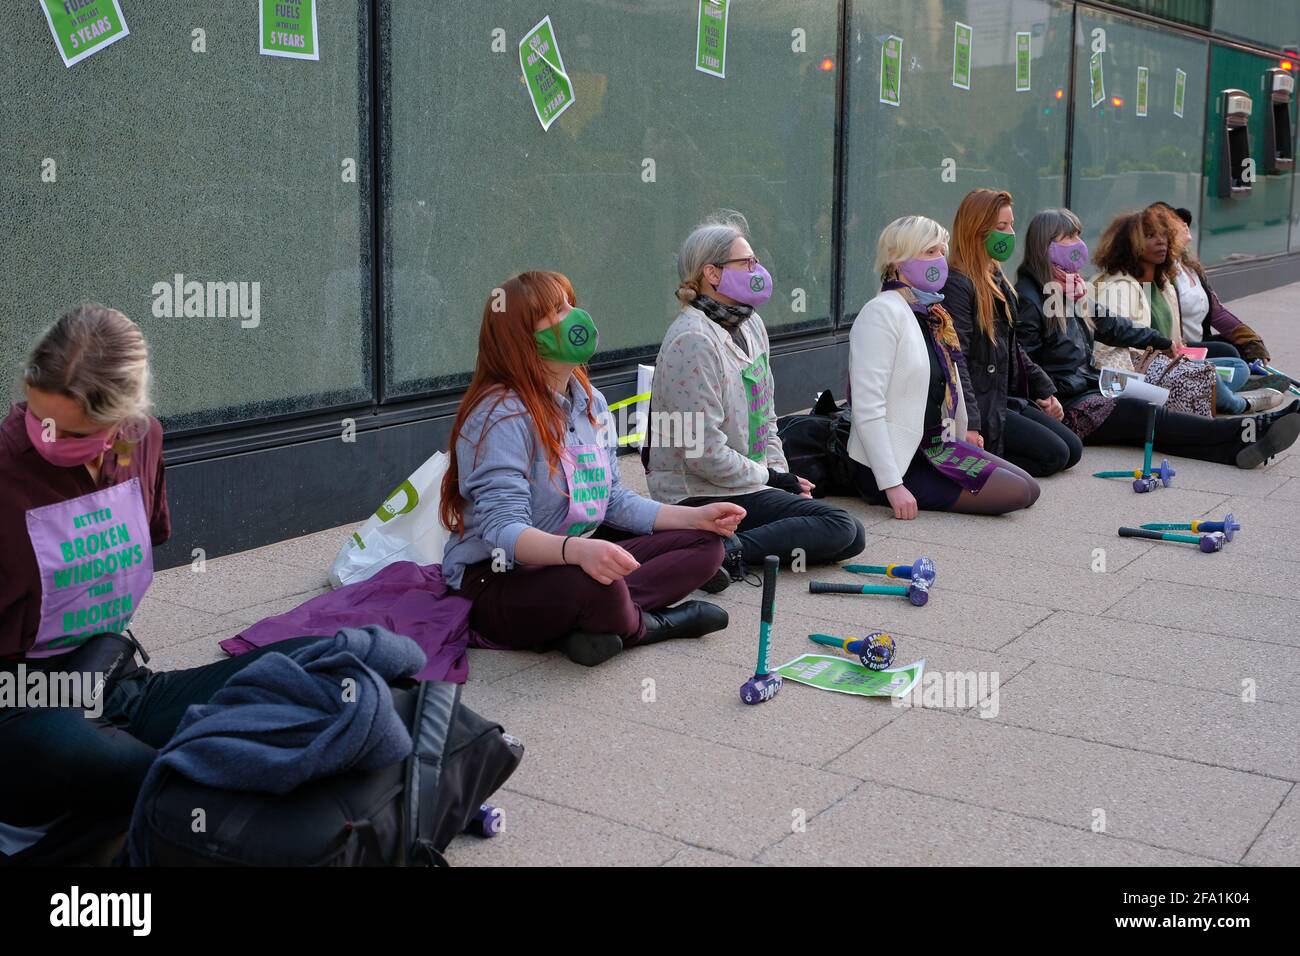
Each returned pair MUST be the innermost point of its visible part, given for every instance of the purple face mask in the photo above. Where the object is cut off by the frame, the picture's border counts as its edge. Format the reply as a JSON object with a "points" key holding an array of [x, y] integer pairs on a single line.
{"points": [[751, 288], [1068, 257], [66, 452], [928, 275]]}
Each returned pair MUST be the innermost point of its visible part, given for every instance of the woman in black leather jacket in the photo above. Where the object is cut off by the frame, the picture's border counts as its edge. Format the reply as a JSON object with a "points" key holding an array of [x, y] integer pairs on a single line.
{"points": [[1057, 323], [1010, 400]]}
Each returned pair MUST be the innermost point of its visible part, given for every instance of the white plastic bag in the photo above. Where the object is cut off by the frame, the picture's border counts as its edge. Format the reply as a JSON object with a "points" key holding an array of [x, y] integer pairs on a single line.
{"points": [[406, 527]]}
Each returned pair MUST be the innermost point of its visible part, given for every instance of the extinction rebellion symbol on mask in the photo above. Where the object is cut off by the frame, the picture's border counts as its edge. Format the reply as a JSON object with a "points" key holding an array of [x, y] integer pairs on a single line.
{"points": [[1075, 254], [1000, 246], [578, 336], [932, 274], [756, 283]]}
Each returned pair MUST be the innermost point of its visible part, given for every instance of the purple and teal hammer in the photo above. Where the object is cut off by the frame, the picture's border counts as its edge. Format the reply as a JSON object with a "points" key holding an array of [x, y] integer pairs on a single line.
{"points": [[875, 651], [1209, 543], [1228, 526], [922, 569], [916, 591], [1259, 368]]}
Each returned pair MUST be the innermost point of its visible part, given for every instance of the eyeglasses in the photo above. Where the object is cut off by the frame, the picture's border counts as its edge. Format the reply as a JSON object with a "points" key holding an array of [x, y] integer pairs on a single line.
{"points": [[751, 263]]}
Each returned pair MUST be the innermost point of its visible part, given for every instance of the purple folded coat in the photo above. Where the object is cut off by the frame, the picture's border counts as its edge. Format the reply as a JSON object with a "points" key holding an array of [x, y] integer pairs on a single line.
{"points": [[405, 598]]}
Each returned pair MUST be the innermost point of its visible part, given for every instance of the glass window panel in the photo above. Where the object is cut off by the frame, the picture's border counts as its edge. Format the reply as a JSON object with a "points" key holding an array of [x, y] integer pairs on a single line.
{"points": [[997, 137], [224, 166], [1192, 12], [1271, 23], [1123, 161], [480, 192]]}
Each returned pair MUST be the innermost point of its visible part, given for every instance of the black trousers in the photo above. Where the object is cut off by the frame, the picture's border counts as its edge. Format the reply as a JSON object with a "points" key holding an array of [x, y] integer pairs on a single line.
{"points": [[1038, 443], [1187, 436], [1216, 347], [56, 761], [777, 522]]}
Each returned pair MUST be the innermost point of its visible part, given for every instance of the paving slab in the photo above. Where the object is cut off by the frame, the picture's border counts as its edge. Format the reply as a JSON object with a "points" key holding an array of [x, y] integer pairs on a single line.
{"points": [[1279, 844], [1210, 610], [1164, 655], [233, 582], [879, 825], [696, 791], [1161, 801], [1206, 727]]}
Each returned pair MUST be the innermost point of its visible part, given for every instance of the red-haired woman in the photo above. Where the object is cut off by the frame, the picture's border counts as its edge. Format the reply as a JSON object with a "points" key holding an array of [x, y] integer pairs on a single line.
{"points": [[1011, 402], [534, 475]]}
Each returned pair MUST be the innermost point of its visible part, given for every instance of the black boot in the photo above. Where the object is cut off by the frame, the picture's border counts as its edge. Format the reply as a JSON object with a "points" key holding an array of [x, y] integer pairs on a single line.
{"points": [[1278, 436], [590, 649], [733, 569], [687, 620]]}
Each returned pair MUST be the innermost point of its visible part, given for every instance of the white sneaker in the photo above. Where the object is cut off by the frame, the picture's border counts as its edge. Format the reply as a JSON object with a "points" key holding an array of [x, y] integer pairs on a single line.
{"points": [[1261, 400]]}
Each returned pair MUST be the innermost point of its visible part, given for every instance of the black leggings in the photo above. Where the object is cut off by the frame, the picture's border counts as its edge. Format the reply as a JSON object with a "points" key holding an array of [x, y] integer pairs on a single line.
{"points": [[1039, 443], [777, 522], [56, 761], [1177, 433]]}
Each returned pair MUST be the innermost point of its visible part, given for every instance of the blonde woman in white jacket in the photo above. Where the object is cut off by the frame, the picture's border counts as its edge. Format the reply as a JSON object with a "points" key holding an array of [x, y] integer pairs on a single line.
{"points": [[905, 391]]}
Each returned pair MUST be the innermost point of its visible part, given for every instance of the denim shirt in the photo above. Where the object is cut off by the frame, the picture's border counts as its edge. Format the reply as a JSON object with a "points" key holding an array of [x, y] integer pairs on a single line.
{"points": [[508, 486]]}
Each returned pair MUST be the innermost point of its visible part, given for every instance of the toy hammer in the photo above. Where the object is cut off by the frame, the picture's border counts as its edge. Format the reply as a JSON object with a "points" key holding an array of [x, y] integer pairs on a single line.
{"points": [[1209, 543], [1228, 526], [1259, 368], [922, 569], [917, 591], [764, 684], [875, 651]]}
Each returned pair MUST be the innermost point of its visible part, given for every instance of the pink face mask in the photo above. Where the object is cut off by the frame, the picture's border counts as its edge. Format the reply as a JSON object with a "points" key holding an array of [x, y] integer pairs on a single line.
{"points": [[67, 452]]}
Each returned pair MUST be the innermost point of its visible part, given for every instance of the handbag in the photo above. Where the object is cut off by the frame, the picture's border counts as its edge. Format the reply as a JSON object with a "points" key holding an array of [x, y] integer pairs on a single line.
{"points": [[1192, 385]]}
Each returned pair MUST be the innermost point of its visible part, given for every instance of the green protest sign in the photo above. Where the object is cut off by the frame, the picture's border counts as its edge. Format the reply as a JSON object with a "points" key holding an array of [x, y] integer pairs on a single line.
{"points": [[82, 28], [843, 676], [289, 29], [548, 84], [961, 41], [1144, 90], [1023, 60], [1097, 79], [891, 71], [1180, 93], [711, 38]]}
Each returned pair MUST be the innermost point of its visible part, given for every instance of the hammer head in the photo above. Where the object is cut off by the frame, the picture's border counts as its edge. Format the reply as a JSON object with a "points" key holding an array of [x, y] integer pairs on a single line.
{"points": [[1148, 483], [923, 570], [1165, 473], [875, 651], [1212, 542], [1230, 526], [918, 592], [760, 687]]}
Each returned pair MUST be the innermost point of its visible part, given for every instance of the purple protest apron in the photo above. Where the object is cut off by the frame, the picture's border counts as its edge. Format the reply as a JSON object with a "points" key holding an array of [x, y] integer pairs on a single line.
{"points": [[966, 464], [758, 399], [586, 469], [96, 561]]}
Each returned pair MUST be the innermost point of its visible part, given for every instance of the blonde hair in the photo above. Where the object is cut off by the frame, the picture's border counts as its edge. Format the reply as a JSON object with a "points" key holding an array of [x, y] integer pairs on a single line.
{"points": [[708, 244], [904, 239], [97, 356]]}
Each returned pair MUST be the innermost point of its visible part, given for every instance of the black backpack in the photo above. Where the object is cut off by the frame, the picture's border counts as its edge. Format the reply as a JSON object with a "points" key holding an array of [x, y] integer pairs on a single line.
{"points": [[816, 446], [401, 815]]}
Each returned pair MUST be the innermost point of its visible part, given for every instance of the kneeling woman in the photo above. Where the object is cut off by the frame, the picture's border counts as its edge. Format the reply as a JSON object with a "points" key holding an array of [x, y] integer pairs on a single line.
{"points": [[906, 395], [1058, 323], [534, 474], [81, 470]]}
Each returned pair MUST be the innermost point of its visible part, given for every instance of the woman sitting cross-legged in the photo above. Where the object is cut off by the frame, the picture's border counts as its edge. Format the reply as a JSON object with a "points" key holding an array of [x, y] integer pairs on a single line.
{"points": [[533, 476]]}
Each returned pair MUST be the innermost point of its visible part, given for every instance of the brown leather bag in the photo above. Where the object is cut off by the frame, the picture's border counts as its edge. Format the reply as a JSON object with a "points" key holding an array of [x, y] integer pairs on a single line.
{"points": [[1192, 384]]}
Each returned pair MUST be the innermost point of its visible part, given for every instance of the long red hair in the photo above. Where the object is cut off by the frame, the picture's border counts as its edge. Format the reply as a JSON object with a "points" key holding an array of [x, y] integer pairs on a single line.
{"points": [[976, 218], [508, 362]]}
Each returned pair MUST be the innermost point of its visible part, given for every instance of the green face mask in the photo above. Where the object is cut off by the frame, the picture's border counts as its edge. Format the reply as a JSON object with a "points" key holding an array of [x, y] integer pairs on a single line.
{"points": [[1000, 245], [575, 343]]}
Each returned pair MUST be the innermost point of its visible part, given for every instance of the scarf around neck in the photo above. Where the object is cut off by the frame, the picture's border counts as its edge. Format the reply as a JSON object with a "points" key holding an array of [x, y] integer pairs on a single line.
{"points": [[947, 347], [730, 317]]}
